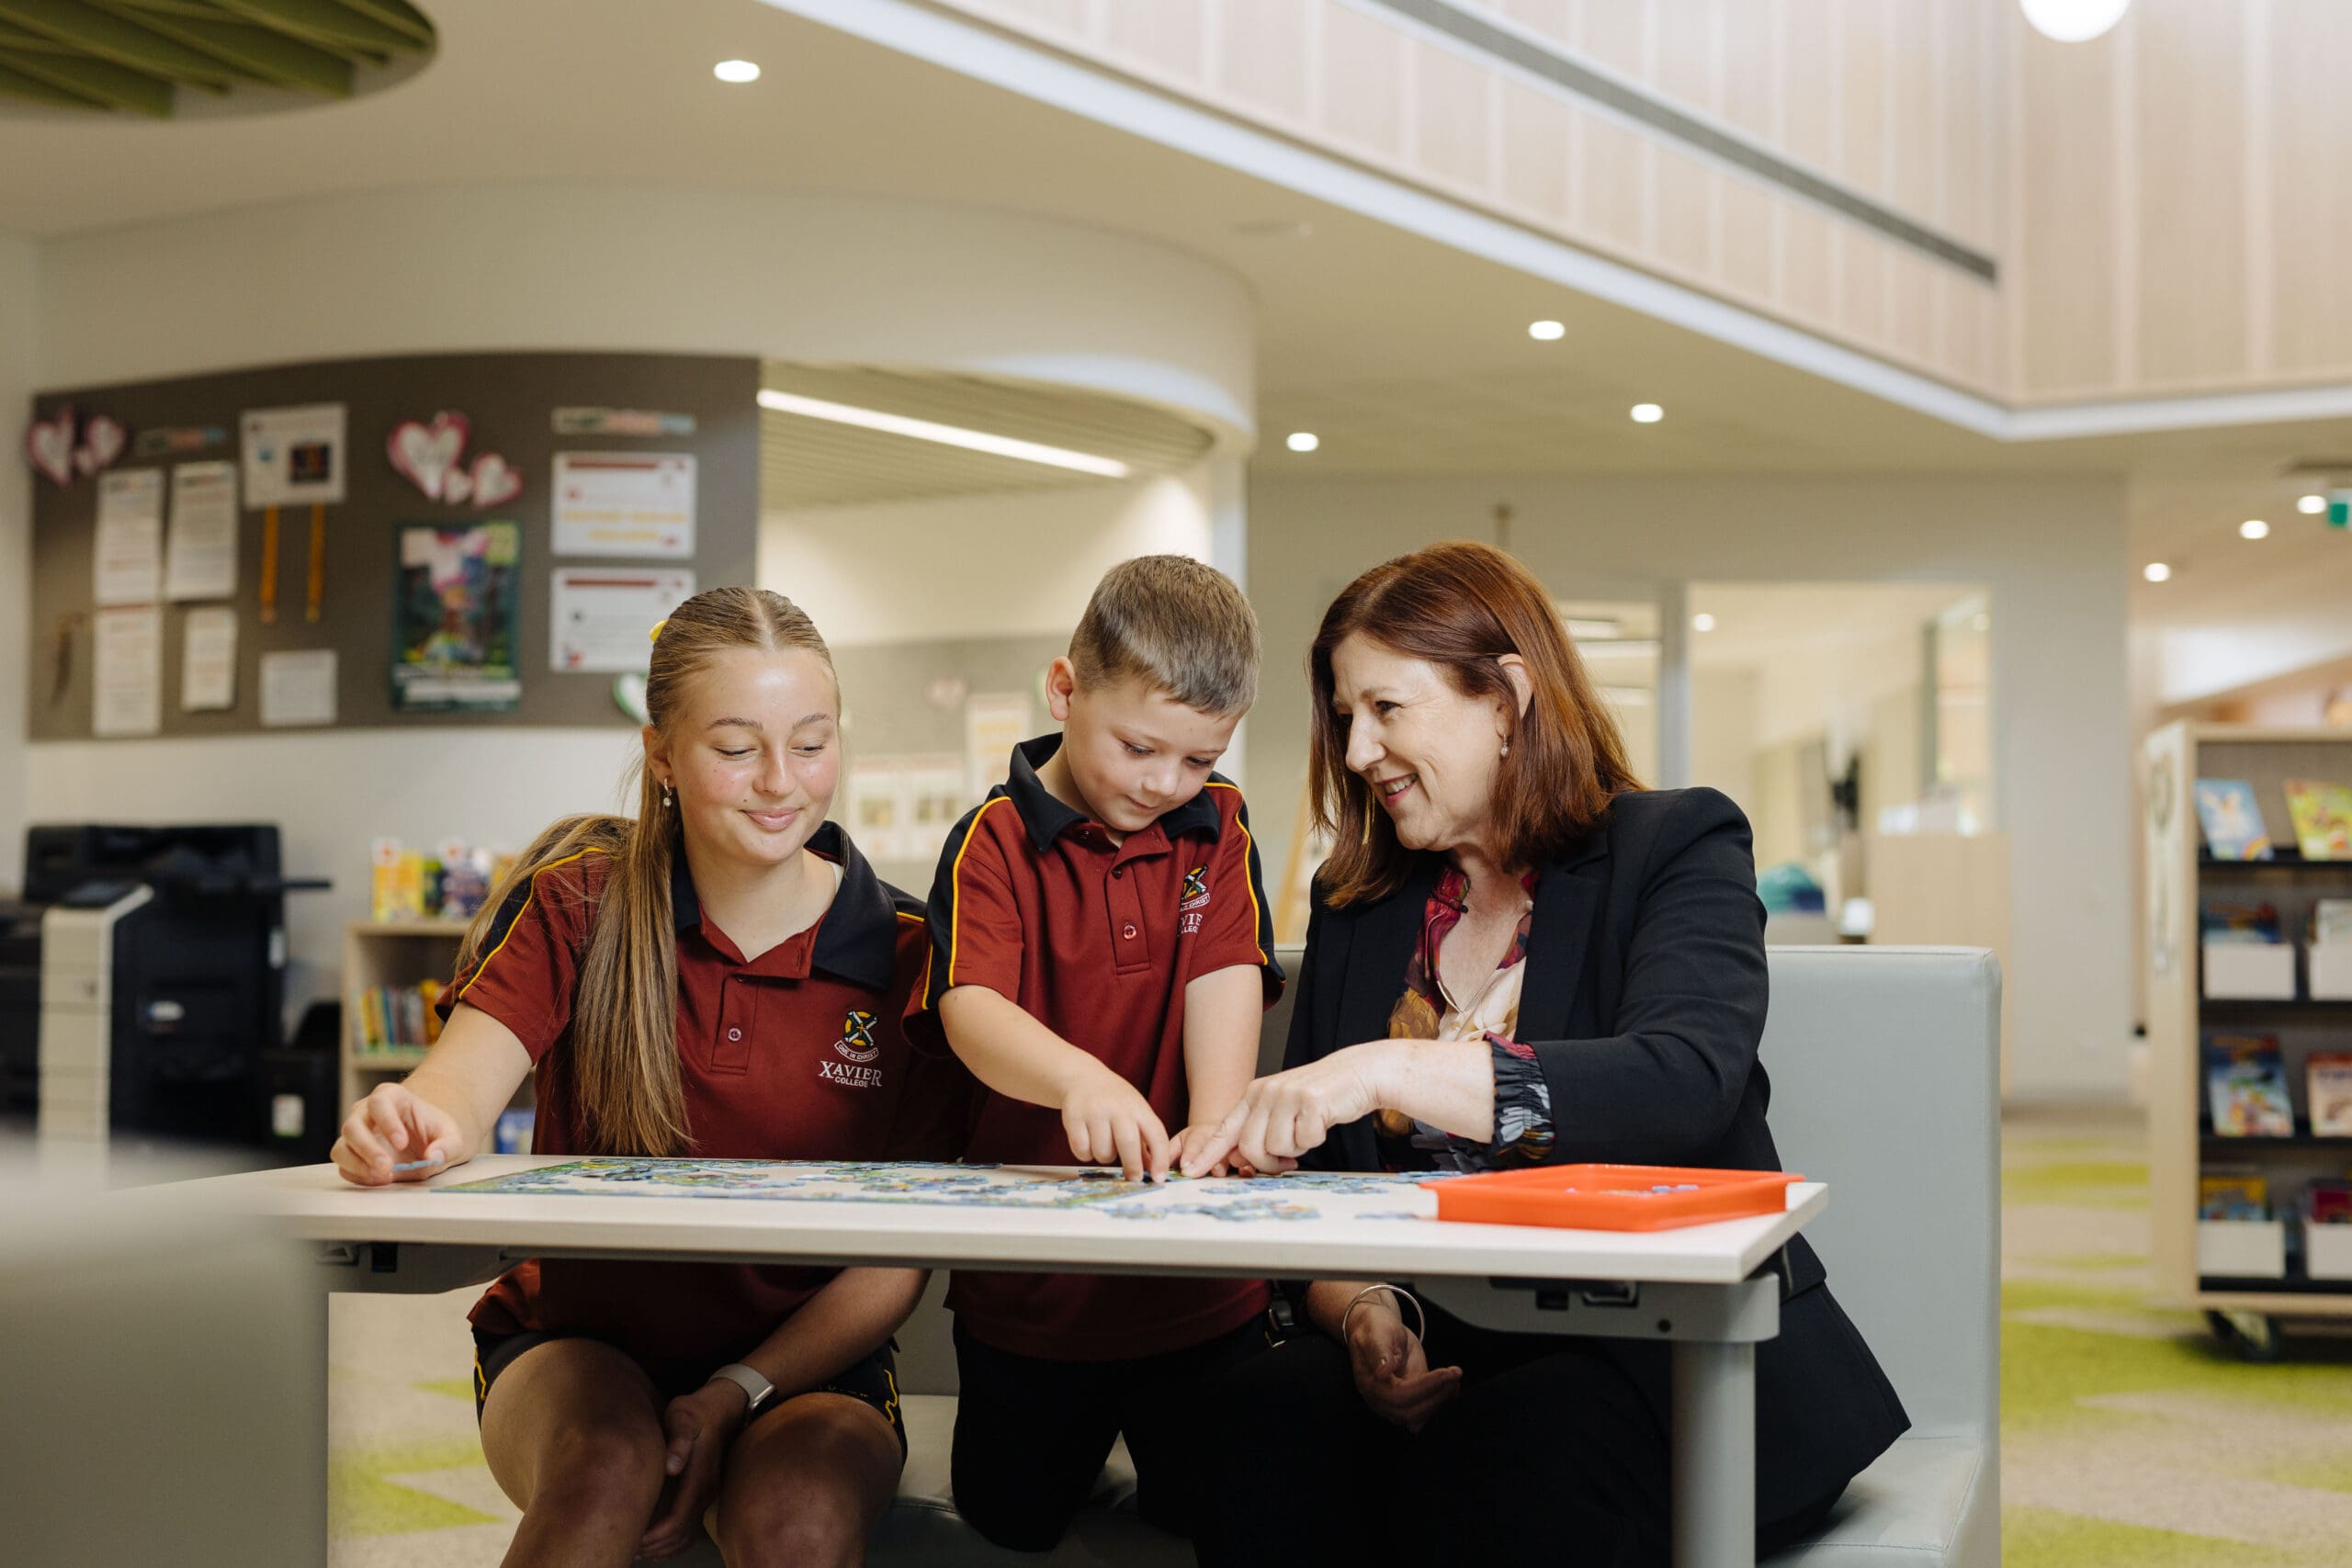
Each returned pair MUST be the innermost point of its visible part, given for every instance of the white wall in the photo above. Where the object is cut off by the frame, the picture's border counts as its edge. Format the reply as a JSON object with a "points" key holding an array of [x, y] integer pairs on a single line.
{"points": [[332, 794], [464, 269], [2050, 550], [556, 267], [1012, 564], [17, 307]]}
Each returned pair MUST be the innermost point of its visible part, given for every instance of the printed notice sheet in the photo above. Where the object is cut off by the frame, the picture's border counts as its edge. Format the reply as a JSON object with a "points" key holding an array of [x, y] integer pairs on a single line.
{"points": [[128, 565], [640, 504], [127, 675], [200, 559], [603, 618], [298, 688], [209, 661]]}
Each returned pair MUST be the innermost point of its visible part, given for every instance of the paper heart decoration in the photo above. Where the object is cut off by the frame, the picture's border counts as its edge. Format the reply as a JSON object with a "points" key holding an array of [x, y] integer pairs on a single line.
{"points": [[48, 447], [426, 455], [495, 484], [102, 440], [457, 487]]}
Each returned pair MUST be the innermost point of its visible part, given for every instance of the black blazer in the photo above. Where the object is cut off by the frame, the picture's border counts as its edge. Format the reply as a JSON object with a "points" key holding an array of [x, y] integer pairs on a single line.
{"points": [[1643, 1001]]}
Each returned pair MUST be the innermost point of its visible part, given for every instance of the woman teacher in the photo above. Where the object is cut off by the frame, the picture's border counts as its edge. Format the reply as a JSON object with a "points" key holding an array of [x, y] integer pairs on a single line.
{"points": [[1517, 956]]}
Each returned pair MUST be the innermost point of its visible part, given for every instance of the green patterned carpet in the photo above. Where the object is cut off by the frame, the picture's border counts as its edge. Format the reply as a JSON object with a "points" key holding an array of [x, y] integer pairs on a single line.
{"points": [[2128, 1439]]}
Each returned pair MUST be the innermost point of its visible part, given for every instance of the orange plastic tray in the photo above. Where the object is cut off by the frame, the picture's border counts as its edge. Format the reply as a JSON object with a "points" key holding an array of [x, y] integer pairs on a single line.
{"points": [[1611, 1197]]}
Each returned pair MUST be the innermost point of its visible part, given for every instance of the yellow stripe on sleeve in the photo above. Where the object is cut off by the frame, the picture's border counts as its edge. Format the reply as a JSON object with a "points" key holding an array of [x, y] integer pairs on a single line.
{"points": [[956, 890], [517, 920], [1250, 848]]}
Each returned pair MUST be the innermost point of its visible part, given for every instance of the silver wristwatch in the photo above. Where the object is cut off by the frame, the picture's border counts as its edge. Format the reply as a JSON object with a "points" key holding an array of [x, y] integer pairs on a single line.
{"points": [[757, 1389]]}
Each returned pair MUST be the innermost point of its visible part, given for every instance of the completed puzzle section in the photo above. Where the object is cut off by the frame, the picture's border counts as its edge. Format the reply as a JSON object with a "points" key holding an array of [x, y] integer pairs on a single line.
{"points": [[1300, 1195]]}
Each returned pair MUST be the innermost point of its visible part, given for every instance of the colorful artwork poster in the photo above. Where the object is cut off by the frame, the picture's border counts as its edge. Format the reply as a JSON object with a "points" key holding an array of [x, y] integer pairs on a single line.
{"points": [[456, 618]]}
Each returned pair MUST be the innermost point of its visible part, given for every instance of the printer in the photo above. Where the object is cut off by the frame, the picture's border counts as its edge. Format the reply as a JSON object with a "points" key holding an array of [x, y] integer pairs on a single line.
{"points": [[162, 959]]}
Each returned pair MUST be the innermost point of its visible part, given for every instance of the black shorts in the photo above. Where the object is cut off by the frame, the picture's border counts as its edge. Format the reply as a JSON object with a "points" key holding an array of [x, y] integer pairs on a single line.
{"points": [[874, 1381]]}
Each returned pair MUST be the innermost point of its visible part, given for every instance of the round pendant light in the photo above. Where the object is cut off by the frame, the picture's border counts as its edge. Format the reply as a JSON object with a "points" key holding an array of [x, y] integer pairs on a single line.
{"points": [[2074, 21]]}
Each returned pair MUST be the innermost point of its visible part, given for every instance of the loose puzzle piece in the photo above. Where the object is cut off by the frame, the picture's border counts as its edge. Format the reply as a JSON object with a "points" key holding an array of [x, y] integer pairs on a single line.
{"points": [[1236, 1199]]}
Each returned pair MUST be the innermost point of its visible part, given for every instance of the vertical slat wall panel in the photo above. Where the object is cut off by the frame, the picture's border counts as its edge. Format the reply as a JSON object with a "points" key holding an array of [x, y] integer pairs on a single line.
{"points": [[2068, 251], [1896, 97], [2311, 192], [2189, 121]]}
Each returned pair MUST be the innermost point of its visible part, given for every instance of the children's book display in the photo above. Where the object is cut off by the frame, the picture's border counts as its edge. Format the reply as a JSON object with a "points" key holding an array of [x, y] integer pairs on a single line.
{"points": [[2240, 925], [397, 1017], [2323, 817], [2246, 1085], [2231, 1193], [2233, 820], [2327, 1089]]}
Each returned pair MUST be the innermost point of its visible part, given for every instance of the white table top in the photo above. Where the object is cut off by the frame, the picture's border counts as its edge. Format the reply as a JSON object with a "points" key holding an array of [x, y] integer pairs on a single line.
{"points": [[313, 1203]]}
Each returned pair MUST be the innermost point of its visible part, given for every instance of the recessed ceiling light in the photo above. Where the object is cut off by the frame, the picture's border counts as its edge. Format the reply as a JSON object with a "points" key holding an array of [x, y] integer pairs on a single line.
{"points": [[1546, 331], [2156, 571], [2253, 528], [2073, 21], [1647, 413], [737, 71], [946, 435], [1301, 441], [1702, 622], [2311, 505]]}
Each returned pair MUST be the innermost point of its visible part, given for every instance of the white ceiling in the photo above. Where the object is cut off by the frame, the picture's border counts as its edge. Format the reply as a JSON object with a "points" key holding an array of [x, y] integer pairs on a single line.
{"points": [[1404, 356], [811, 462]]}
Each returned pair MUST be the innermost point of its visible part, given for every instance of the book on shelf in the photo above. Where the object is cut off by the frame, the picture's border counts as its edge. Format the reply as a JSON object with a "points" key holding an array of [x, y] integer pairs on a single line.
{"points": [[2228, 1192], [2323, 817], [2331, 922], [2245, 1085], [2327, 1089], [393, 1018], [2233, 820], [2220, 920], [2327, 1201]]}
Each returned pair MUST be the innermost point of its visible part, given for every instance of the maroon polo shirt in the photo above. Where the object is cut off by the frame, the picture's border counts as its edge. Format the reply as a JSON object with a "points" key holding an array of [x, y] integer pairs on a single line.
{"points": [[799, 1054], [1096, 941]]}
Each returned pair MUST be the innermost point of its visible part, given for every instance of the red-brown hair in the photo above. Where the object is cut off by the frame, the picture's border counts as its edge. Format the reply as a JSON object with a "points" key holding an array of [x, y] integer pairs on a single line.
{"points": [[1462, 606]]}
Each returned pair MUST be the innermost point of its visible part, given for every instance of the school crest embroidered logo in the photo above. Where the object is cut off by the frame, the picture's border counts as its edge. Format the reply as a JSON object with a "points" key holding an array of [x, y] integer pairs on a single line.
{"points": [[1196, 899], [857, 1043]]}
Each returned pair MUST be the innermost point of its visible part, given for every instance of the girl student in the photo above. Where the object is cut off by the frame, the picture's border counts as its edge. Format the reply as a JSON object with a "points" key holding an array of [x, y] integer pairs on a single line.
{"points": [[722, 975]]}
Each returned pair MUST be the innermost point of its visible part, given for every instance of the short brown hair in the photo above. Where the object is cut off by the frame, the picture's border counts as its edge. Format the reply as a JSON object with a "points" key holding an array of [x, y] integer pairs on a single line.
{"points": [[1180, 624], [1463, 605]]}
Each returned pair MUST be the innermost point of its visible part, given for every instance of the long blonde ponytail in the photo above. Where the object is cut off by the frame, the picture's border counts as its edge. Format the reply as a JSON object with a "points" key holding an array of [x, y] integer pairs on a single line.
{"points": [[623, 1060]]}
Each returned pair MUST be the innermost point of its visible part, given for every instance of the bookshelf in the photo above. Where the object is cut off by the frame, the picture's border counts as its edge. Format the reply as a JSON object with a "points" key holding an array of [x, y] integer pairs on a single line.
{"points": [[394, 952], [2244, 1306]]}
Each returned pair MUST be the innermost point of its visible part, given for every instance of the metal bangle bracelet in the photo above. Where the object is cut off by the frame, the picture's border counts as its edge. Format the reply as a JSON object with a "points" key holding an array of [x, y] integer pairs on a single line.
{"points": [[1421, 1319]]}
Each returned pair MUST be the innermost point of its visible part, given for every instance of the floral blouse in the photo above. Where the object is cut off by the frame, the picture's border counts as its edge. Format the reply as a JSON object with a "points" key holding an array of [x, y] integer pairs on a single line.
{"points": [[1426, 1011]]}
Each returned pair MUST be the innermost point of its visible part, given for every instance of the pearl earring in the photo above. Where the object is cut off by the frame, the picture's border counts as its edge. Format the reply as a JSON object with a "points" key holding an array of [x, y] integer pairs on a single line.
{"points": [[665, 798], [1506, 747]]}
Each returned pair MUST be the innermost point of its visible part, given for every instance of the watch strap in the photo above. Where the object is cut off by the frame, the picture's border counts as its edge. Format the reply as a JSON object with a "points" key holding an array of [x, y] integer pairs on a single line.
{"points": [[756, 1389]]}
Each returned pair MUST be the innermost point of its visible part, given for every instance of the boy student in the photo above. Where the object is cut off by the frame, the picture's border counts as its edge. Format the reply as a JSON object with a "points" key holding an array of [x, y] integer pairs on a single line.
{"points": [[1101, 957], [721, 974]]}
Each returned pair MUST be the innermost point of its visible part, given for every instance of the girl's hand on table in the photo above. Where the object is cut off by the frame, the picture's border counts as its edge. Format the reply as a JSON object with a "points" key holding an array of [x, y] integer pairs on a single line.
{"points": [[393, 1127]]}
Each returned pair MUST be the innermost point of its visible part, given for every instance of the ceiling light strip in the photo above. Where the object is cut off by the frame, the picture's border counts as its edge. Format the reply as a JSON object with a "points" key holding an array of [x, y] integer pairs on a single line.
{"points": [[946, 435], [1483, 34]]}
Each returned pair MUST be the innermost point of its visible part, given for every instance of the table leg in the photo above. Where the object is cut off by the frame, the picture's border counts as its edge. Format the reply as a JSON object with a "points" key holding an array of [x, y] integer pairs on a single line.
{"points": [[1714, 1454]]}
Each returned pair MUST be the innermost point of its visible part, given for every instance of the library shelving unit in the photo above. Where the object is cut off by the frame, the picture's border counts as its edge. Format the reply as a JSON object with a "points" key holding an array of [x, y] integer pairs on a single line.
{"points": [[389, 952], [2244, 1307]]}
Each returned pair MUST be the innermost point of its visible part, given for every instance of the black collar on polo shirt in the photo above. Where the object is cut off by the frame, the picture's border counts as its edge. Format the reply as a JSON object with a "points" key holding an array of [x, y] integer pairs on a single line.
{"points": [[1048, 818], [858, 938]]}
